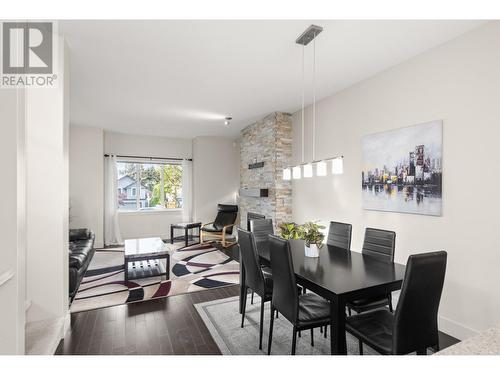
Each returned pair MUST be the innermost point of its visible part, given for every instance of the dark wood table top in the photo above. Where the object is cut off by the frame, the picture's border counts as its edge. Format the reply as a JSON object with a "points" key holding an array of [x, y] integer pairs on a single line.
{"points": [[341, 272], [186, 225]]}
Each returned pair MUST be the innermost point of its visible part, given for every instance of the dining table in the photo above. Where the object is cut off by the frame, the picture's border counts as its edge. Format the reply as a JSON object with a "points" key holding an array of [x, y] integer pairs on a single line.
{"points": [[339, 276]]}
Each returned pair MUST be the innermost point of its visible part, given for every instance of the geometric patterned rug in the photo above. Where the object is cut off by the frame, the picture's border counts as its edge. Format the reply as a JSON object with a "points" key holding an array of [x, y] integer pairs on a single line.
{"points": [[193, 268]]}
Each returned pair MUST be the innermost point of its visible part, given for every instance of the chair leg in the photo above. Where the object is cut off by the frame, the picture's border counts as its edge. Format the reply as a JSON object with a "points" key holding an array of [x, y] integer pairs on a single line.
{"points": [[312, 337], [244, 306], [332, 341], [294, 340], [304, 290], [360, 343], [349, 311], [271, 324], [326, 328], [390, 302], [251, 300], [201, 236], [261, 322], [276, 313], [300, 334]]}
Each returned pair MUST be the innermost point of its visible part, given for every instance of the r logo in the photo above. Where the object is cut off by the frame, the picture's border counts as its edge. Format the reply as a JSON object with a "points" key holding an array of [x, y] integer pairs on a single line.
{"points": [[27, 48]]}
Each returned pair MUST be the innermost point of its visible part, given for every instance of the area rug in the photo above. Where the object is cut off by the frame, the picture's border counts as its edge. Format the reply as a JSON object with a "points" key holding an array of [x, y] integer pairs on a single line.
{"points": [[193, 268], [224, 323]]}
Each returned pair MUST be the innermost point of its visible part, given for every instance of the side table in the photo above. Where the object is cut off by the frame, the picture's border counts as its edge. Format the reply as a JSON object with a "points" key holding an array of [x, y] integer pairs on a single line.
{"points": [[186, 227]]}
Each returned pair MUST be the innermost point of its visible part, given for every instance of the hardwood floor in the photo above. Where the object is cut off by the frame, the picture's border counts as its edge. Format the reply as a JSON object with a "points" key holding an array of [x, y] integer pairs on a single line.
{"points": [[163, 326]]}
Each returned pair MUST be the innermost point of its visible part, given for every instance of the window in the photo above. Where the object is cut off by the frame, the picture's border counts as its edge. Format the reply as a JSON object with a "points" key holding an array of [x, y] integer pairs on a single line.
{"points": [[149, 186]]}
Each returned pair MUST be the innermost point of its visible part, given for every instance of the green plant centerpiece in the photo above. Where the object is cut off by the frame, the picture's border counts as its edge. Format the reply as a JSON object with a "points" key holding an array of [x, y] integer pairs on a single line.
{"points": [[313, 238], [289, 231], [310, 233]]}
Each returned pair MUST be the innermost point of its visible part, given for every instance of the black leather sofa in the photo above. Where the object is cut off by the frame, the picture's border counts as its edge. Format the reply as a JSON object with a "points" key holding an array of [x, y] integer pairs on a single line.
{"points": [[81, 251]]}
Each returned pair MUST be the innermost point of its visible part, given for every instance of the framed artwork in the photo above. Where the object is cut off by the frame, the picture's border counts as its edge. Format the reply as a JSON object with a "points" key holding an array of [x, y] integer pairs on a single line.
{"points": [[403, 169]]}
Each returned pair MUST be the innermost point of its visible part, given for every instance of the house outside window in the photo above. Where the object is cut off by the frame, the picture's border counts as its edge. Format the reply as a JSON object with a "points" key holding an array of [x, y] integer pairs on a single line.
{"points": [[149, 186]]}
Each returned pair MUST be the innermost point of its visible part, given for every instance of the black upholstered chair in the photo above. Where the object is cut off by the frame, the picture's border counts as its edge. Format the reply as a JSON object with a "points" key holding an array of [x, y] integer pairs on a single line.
{"points": [[304, 311], [261, 229], [258, 279], [413, 327], [380, 244], [222, 227], [339, 235]]}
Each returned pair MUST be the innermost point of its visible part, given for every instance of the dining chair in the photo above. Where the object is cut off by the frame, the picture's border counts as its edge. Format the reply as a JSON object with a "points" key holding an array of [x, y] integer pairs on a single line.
{"points": [[261, 229], [379, 244], [258, 279], [413, 327], [304, 311], [339, 235]]}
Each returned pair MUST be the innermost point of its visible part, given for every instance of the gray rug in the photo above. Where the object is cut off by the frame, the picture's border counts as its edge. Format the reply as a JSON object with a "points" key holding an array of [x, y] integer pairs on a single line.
{"points": [[223, 321]]}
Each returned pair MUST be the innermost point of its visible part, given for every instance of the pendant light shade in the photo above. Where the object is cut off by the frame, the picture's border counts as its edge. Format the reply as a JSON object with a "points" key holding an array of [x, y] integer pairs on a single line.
{"points": [[308, 170], [321, 168], [296, 172], [287, 174], [338, 166]]}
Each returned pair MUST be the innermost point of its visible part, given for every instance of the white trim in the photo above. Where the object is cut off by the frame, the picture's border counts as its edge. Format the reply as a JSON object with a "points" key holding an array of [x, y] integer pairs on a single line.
{"points": [[6, 276], [158, 211], [455, 329]]}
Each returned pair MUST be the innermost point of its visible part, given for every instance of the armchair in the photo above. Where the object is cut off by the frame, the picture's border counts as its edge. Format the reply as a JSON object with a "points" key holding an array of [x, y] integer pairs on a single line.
{"points": [[222, 227]]}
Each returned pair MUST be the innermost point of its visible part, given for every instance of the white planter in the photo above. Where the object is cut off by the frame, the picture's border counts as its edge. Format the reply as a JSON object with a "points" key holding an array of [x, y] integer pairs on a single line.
{"points": [[312, 251]]}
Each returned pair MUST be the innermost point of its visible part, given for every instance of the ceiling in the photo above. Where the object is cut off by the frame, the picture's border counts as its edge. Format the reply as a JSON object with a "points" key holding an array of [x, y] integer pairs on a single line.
{"points": [[181, 78]]}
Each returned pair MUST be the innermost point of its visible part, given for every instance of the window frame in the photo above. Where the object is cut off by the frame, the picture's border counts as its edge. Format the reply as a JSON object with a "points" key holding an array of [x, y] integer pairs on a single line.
{"points": [[148, 210]]}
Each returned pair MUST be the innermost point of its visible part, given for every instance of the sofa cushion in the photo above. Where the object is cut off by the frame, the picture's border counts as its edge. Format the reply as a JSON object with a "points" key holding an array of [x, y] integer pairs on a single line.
{"points": [[79, 234], [77, 260]]}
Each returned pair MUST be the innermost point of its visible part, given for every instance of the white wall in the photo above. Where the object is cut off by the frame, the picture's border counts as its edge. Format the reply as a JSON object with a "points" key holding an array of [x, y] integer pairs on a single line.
{"points": [[147, 224], [139, 145], [12, 222], [86, 174], [216, 175], [47, 198], [458, 82], [211, 185]]}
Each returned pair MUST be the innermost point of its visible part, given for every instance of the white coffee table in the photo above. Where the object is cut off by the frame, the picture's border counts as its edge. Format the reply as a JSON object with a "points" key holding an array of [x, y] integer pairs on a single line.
{"points": [[143, 258]]}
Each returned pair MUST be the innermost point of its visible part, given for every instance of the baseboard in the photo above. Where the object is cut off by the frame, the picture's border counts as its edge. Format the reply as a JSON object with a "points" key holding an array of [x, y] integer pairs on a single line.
{"points": [[66, 324], [446, 325], [43, 337], [455, 329]]}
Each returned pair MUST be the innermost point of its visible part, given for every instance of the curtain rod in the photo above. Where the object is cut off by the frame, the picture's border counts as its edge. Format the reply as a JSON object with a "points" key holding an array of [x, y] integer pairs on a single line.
{"points": [[148, 157]]}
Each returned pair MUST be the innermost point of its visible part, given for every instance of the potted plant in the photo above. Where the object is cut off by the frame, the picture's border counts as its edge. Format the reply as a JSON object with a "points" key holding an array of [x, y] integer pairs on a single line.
{"points": [[313, 238], [289, 231]]}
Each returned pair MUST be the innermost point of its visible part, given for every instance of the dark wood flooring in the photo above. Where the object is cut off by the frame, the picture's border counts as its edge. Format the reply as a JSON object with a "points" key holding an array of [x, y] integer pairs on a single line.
{"points": [[163, 326]]}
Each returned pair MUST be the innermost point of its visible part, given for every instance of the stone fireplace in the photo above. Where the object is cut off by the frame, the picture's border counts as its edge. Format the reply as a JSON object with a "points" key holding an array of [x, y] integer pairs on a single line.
{"points": [[266, 147]]}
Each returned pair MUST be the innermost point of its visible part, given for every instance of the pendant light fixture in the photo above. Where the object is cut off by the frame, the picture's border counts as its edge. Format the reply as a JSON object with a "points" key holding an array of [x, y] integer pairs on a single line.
{"points": [[338, 165], [304, 169]]}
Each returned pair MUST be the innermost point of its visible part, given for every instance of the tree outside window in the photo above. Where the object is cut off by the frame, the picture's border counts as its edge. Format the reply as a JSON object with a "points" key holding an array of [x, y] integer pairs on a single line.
{"points": [[159, 186]]}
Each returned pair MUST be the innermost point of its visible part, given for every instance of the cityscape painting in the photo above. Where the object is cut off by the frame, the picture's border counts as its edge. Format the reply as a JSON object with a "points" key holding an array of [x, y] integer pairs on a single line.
{"points": [[402, 170]]}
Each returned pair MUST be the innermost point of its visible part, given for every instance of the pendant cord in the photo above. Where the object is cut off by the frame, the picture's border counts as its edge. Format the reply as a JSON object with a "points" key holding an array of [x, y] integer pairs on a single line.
{"points": [[314, 101], [303, 99]]}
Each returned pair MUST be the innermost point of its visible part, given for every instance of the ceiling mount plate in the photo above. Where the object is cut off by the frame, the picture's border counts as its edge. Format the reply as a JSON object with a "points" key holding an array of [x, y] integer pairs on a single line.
{"points": [[307, 36]]}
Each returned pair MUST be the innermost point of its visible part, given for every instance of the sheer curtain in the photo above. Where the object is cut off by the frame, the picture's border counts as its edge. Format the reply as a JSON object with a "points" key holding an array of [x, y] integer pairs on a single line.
{"points": [[111, 227], [187, 190]]}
